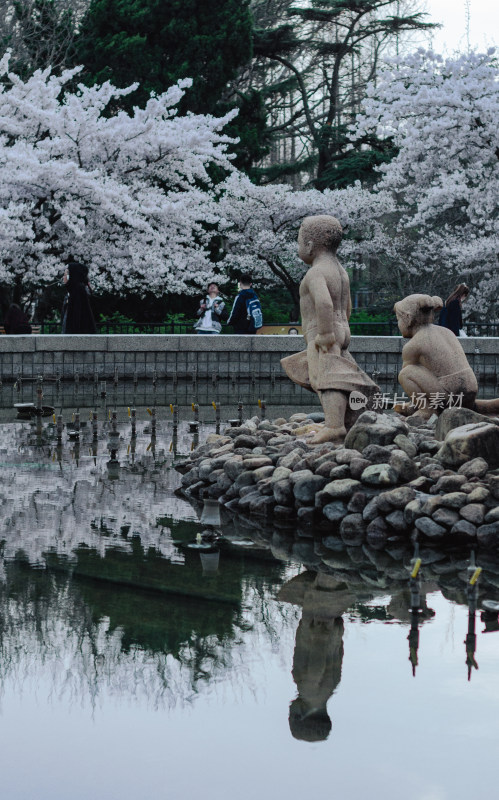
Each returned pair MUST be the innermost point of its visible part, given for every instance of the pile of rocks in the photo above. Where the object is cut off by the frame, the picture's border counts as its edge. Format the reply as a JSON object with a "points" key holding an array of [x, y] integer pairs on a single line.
{"points": [[390, 479]]}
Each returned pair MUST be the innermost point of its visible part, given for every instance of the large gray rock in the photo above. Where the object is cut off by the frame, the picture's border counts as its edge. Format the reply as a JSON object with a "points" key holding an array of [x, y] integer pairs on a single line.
{"points": [[290, 459], [339, 471], [431, 529], [478, 495], [396, 520], [256, 462], [494, 486], [379, 475], [414, 509], [357, 467], [464, 528], [335, 512], [404, 443], [370, 511], [342, 489], [451, 418], [234, 466], [352, 530], [280, 473], [399, 497], [448, 483], [372, 428], [205, 469], [377, 454], [245, 478], [344, 455], [404, 466], [245, 440], [357, 503], [262, 506], [283, 493], [351, 526], [492, 515], [477, 440], [377, 533], [476, 468], [488, 535], [306, 487], [263, 472], [473, 512], [445, 516]]}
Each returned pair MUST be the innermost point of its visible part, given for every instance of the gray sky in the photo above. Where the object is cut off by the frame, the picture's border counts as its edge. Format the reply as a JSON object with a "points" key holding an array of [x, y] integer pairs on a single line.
{"points": [[483, 24]]}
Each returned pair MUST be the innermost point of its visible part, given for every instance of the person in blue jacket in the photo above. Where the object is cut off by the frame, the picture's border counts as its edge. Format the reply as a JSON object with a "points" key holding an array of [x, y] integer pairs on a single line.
{"points": [[243, 322]]}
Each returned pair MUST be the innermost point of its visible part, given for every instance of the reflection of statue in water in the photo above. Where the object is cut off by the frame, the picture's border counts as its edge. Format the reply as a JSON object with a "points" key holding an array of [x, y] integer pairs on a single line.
{"points": [[326, 367], [318, 654], [433, 361]]}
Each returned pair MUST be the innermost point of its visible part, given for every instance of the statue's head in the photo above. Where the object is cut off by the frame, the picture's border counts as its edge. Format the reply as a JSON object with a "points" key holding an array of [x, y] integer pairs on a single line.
{"points": [[308, 724], [416, 311], [318, 234]]}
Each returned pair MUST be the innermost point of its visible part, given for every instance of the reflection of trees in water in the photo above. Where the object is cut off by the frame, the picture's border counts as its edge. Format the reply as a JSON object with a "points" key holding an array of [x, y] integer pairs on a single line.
{"points": [[87, 641], [52, 506]]}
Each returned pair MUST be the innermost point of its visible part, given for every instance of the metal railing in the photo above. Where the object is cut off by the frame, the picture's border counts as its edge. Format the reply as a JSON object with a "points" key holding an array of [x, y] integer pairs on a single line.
{"points": [[388, 328]]}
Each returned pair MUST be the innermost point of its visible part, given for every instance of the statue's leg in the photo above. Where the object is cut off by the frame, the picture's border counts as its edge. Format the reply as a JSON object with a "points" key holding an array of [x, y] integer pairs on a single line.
{"points": [[334, 405], [420, 381]]}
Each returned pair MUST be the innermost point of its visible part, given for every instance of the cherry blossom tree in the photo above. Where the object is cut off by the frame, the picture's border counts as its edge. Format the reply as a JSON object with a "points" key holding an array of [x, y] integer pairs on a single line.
{"points": [[442, 116], [260, 225], [129, 195]]}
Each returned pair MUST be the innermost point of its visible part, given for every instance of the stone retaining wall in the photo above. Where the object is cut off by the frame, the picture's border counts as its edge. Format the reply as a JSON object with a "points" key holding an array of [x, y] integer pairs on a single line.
{"points": [[185, 356]]}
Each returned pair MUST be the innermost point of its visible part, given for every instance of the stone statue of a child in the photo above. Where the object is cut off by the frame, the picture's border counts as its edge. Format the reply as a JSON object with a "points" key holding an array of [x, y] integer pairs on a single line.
{"points": [[433, 361], [326, 367]]}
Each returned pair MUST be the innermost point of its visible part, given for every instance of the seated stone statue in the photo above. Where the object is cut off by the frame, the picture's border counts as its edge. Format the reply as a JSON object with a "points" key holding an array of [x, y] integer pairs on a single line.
{"points": [[326, 367], [433, 362]]}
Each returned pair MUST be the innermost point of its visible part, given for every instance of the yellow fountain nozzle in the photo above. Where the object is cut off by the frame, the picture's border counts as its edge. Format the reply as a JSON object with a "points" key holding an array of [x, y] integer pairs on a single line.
{"points": [[259, 403], [475, 576], [193, 406], [214, 405], [192, 445], [129, 412], [149, 411], [415, 568], [171, 407], [53, 417], [109, 414]]}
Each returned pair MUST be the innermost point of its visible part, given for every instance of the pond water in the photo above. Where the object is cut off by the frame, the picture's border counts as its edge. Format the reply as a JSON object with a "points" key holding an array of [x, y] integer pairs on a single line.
{"points": [[131, 666]]}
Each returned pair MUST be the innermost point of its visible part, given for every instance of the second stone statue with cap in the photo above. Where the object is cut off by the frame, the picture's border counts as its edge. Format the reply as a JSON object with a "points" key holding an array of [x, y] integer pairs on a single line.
{"points": [[326, 366]]}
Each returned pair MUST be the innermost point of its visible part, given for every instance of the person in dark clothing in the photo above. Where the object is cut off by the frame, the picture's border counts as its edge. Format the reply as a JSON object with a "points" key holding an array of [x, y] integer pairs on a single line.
{"points": [[16, 321], [451, 316], [77, 315], [242, 321]]}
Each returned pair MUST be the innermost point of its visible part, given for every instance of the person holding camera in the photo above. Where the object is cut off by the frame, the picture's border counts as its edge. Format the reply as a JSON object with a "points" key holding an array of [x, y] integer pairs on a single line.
{"points": [[211, 312]]}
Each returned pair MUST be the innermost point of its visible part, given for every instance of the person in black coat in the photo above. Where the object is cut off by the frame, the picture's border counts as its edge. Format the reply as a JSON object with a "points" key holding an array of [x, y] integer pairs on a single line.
{"points": [[16, 321], [239, 319], [77, 315], [451, 315]]}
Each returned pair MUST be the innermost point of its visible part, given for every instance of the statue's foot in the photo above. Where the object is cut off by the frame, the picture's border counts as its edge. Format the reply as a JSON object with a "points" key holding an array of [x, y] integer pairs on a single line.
{"points": [[404, 409], [424, 413], [329, 435], [306, 429]]}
